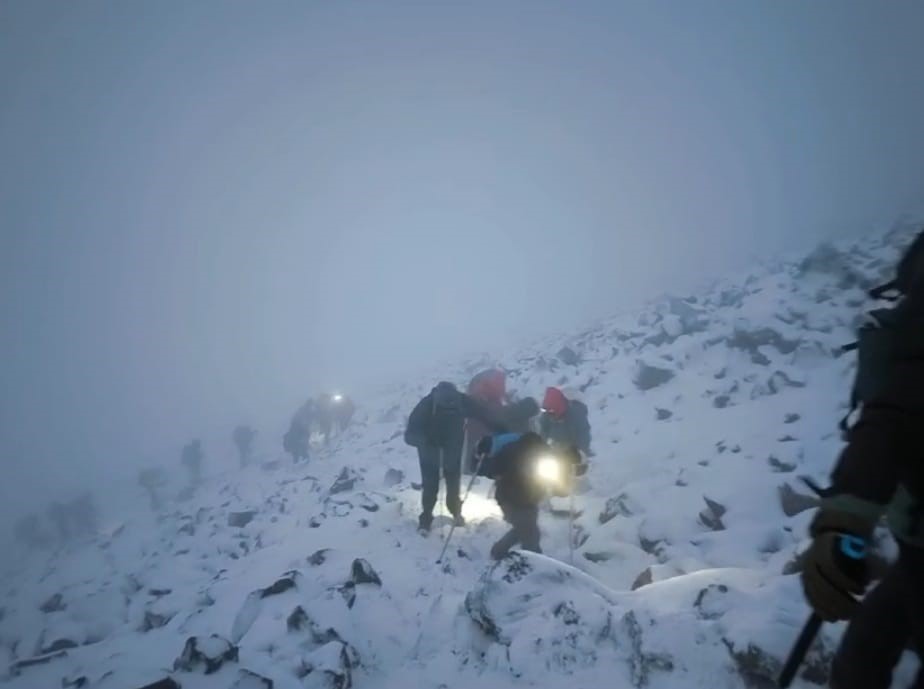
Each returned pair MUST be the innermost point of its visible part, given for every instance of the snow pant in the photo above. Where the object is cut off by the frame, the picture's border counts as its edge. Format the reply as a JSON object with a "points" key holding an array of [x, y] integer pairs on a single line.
{"points": [[432, 459], [525, 531], [889, 621]]}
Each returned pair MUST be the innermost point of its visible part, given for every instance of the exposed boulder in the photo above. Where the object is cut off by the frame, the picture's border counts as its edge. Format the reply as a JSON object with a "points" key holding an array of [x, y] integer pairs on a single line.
{"points": [[53, 604], [362, 573], [165, 683], [345, 481], [318, 557], [281, 585], [568, 356], [642, 662], [393, 477], [648, 377], [711, 517], [663, 414], [330, 666], [251, 680], [239, 520], [615, 507], [793, 503], [206, 654]]}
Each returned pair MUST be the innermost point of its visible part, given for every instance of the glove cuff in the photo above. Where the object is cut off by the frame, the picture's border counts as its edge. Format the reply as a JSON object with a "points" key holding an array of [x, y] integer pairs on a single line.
{"points": [[842, 522]]}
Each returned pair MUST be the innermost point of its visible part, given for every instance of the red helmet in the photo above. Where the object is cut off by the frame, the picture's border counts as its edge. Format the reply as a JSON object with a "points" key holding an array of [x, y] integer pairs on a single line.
{"points": [[555, 402], [490, 386]]}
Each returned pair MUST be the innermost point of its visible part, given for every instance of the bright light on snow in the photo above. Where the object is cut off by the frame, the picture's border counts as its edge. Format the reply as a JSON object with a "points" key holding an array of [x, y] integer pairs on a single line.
{"points": [[478, 507]]}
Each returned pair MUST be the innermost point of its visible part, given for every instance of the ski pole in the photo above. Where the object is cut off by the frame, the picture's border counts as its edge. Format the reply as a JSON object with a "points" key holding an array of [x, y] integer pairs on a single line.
{"points": [[801, 647], [468, 490], [571, 519]]}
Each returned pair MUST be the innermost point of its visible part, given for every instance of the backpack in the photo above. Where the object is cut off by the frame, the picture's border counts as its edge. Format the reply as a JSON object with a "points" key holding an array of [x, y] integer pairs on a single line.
{"points": [[874, 347]]}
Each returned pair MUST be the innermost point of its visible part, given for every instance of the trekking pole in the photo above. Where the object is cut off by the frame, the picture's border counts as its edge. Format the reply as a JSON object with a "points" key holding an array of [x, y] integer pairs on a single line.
{"points": [[468, 490], [571, 519], [801, 647]]}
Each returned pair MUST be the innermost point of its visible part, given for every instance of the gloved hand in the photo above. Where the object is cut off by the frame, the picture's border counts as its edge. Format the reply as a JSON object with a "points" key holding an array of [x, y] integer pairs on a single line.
{"points": [[835, 565]]}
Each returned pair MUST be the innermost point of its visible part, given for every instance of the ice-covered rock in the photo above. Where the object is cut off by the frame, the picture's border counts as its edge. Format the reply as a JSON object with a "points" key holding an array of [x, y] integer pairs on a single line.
{"points": [[206, 654]]}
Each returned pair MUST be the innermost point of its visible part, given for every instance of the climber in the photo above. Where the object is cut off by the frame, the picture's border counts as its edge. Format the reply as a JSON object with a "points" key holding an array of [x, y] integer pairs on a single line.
{"points": [[879, 472], [191, 458], [334, 413], [435, 428], [489, 387], [565, 421], [525, 470]]}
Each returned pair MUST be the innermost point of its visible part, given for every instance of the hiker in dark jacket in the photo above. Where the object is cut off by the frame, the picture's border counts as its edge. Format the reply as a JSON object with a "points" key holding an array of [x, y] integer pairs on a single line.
{"points": [[435, 428], [519, 416], [525, 470], [564, 422], [879, 472]]}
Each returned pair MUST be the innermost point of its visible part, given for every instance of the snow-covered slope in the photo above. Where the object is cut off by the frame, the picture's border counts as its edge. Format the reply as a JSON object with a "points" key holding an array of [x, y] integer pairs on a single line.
{"points": [[703, 408]]}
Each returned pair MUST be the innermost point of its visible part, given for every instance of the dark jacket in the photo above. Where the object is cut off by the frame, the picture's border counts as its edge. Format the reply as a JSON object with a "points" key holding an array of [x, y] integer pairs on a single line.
{"points": [[432, 424], [518, 415], [513, 469], [571, 430], [882, 466]]}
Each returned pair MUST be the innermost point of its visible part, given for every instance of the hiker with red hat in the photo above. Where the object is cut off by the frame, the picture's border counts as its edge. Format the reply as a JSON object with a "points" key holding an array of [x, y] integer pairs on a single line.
{"points": [[489, 388], [565, 422]]}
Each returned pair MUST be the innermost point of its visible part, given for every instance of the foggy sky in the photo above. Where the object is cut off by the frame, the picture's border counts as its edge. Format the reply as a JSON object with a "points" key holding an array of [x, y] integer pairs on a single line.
{"points": [[211, 210]]}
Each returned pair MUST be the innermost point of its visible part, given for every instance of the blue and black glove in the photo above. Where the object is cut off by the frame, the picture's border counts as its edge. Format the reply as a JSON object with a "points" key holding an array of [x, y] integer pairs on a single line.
{"points": [[836, 571]]}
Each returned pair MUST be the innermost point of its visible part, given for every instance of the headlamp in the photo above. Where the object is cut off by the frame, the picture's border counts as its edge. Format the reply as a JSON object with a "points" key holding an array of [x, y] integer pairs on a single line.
{"points": [[337, 398], [548, 469]]}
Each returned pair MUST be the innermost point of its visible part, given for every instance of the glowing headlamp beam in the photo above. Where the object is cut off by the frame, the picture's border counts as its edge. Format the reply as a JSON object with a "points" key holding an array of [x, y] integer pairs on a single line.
{"points": [[548, 470]]}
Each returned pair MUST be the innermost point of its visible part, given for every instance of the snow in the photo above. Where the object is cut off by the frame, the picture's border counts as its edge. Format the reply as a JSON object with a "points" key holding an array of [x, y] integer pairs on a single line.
{"points": [[702, 408]]}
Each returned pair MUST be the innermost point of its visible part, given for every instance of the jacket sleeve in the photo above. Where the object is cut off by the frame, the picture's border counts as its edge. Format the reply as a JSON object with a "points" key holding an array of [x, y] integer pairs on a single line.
{"points": [[415, 434], [473, 409], [582, 429], [872, 464]]}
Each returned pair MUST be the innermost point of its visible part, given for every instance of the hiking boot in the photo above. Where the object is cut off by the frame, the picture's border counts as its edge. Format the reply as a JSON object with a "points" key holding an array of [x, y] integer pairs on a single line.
{"points": [[425, 522], [458, 520]]}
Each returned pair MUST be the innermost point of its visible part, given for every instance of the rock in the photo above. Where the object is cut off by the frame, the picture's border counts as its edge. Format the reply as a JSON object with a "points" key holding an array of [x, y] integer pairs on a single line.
{"points": [[711, 517], [721, 401], [53, 604], [393, 477], [642, 663], [598, 557], [20, 665], [650, 547], [664, 414], [59, 645], [363, 573], [76, 683], [643, 579], [165, 683], [318, 557], [345, 481], [314, 522], [348, 592], [207, 654], [333, 662], [779, 466], [791, 418], [239, 520], [300, 621], [648, 377], [282, 585], [793, 503], [568, 356], [159, 593], [615, 507], [757, 668], [706, 604], [780, 381], [251, 680], [751, 340], [154, 621]]}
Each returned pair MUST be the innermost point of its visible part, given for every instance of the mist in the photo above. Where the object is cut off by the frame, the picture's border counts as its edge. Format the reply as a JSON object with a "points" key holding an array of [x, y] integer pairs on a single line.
{"points": [[211, 211]]}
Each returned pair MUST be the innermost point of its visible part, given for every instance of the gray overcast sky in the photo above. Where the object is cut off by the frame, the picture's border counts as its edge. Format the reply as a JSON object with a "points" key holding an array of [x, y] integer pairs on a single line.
{"points": [[210, 210]]}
